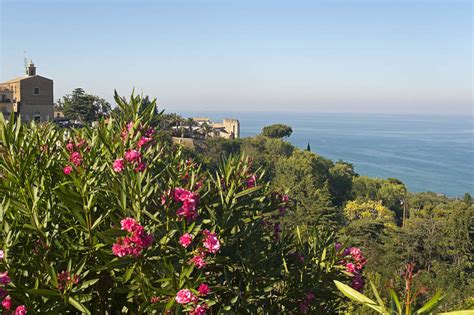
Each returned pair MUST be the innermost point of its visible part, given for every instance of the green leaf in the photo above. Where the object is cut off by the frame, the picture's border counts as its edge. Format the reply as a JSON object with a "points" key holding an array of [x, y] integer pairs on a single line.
{"points": [[377, 296], [357, 296], [88, 283], [396, 306], [78, 305], [268, 289], [44, 292], [432, 303]]}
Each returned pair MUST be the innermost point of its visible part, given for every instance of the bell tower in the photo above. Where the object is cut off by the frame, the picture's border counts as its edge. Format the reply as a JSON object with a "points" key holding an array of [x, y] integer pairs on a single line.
{"points": [[30, 68]]}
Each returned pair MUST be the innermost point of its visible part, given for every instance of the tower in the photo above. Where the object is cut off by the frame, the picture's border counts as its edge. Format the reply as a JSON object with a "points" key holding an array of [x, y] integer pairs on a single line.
{"points": [[30, 68]]}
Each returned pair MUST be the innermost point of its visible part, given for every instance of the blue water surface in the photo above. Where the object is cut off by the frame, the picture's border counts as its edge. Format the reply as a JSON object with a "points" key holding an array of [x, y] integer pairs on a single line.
{"points": [[428, 153]]}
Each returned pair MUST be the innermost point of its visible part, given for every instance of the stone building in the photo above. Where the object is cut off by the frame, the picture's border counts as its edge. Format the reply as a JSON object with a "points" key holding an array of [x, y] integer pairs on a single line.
{"points": [[30, 96], [228, 128]]}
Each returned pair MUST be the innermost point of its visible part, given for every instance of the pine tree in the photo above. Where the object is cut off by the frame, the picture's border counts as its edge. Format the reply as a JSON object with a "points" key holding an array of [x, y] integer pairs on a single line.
{"points": [[308, 148]]}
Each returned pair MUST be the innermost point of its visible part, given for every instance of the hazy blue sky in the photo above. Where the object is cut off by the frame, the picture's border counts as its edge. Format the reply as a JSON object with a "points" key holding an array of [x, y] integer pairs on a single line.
{"points": [[331, 56]]}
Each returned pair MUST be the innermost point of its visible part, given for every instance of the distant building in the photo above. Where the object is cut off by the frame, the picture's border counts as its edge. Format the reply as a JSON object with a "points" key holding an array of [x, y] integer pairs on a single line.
{"points": [[228, 129], [30, 96]]}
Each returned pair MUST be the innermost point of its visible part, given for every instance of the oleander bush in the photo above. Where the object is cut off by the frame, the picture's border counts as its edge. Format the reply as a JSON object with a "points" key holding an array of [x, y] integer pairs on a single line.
{"points": [[113, 219]]}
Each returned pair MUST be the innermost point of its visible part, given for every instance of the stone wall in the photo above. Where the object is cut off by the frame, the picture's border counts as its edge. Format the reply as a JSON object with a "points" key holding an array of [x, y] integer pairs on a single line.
{"points": [[41, 104]]}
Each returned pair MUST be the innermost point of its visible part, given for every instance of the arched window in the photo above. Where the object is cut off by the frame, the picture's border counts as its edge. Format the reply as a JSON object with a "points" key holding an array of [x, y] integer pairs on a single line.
{"points": [[37, 117]]}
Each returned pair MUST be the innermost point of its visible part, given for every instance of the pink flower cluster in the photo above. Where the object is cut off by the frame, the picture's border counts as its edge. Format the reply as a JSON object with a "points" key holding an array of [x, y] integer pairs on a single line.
{"points": [[306, 303], [133, 158], [199, 260], [6, 299], [210, 243], [65, 280], [75, 154], [189, 202], [186, 296], [134, 243], [186, 240], [145, 139], [354, 263]]}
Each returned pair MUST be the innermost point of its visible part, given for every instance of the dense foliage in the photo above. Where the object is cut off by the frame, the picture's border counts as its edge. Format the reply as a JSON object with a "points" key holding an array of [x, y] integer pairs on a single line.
{"points": [[393, 226], [115, 219], [277, 131], [82, 106]]}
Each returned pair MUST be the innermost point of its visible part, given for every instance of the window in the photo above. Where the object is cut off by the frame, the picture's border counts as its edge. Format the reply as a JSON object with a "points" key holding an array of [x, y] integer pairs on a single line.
{"points": [[37, 117], [36, 91]]}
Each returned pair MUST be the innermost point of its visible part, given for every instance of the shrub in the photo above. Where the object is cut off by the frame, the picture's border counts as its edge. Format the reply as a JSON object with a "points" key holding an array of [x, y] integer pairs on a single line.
{"points": [[112, 220]]}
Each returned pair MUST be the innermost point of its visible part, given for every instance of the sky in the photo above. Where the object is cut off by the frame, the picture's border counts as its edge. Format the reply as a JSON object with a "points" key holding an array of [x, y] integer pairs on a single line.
{"points": [[409, 57]]}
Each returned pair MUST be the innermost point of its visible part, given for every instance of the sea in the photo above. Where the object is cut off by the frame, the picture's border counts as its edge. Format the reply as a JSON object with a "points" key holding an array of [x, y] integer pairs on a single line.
{"points": [[427, 152]]}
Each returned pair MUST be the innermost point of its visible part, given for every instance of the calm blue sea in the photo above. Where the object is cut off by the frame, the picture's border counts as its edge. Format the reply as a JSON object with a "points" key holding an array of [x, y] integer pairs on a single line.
{"points": [[428, 153]]}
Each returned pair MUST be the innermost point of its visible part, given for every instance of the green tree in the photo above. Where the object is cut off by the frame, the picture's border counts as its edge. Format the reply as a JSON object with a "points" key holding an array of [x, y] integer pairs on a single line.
{"points": [[277, 131], [208, 130], [304, 175], [340, 182], [85, 107]]}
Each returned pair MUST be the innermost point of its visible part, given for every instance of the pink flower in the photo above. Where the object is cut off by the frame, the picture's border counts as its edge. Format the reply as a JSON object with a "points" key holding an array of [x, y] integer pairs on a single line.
{"points": [[149, 132], [65, 279], [337, 246], [140, 167], [304, 308], [2, 255], [305, 304], [200, 309], [119, 250], [358, 282], [4, 278], [133, 244], [185, 240], [20, 310], [211, 242], [70, 146], [204, 289], [76, 158], [154, 299], [285, 198], [7, 303], [81, 143], [251, 181], [67, 169], [143, 141], [119, 165], [350, 267], [355, 252], [199, 260], [189, 203], [129, 224], [185, 296], [133, 156]]}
